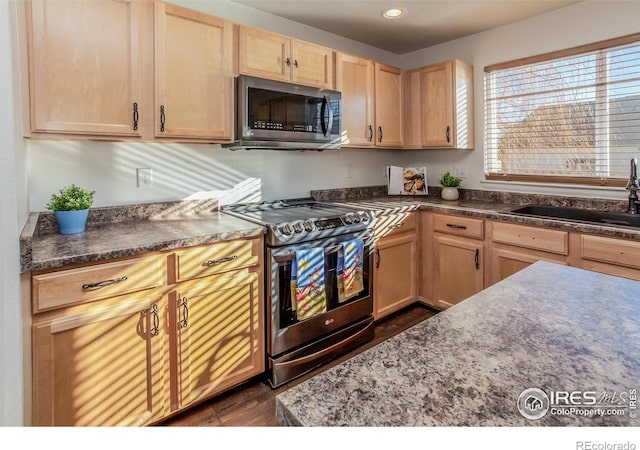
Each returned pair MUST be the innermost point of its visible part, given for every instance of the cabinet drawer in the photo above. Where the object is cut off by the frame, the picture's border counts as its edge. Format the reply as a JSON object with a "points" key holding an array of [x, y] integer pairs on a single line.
{"points": [[67, 287], [613, 251], [195, 262], [552, 241], [460, 226], [394, 224]]}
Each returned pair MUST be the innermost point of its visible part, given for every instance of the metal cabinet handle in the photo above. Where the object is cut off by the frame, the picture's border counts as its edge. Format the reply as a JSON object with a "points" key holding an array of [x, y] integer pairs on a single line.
{"points": [[396, 225], [378, 258], [288, 61], [295, 63], [162, 118], [135, 116], [477, 259], [448, 135], [213, 262], [457, 227], [156, 321], [101, 284], [185, 312], [379, 134], [370, 138]]}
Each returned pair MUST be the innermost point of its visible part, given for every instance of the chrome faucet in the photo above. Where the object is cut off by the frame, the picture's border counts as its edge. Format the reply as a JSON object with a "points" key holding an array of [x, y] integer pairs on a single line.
{"points": [[633, 186]]}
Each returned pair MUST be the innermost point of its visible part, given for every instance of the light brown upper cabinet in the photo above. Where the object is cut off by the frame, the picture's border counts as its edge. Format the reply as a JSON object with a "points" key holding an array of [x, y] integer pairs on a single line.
{"points": [[439, 106], [85, 68], [270, 55], [388, 98], [194, 76], [355, 80]]}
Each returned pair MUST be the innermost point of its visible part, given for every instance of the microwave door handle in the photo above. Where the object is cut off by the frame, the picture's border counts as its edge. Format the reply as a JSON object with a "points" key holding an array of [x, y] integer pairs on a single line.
{"points": [[326, 129]]}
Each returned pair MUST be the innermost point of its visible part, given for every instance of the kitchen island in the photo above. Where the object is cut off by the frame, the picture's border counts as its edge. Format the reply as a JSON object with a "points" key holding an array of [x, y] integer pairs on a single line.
{"points": [[568, 337]]}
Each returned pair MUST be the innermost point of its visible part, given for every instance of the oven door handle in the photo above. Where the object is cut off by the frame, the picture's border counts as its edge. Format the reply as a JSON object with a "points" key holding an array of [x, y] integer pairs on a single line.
{"points": [[291, 256]]}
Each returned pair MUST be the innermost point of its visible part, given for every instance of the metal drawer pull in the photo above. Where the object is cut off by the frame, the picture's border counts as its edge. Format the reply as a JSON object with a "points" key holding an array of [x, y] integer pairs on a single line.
{"points": [[457, 227], [156, 321], [100, 284], [185, 312], [396, 225], [214, 262]]}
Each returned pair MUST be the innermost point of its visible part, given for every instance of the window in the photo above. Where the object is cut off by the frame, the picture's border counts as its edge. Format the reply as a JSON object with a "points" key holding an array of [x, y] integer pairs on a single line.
{"points": [[570, 116]]}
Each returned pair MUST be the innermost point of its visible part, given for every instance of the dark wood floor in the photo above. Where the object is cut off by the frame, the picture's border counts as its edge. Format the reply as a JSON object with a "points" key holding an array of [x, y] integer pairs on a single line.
{"points": [[253, 403]]}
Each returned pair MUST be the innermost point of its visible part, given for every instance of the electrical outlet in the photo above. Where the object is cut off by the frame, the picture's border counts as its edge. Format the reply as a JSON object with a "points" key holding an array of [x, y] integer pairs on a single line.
{"points": [[349, 171], [144, 177]]}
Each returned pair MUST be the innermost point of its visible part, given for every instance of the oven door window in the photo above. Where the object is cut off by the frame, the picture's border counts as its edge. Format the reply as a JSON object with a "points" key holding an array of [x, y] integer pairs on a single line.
{"points": [[333, 285]]}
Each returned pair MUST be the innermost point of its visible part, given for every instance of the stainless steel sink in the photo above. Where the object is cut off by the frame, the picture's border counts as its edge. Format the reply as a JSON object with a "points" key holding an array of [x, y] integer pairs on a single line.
{"points": [[580, 215]]}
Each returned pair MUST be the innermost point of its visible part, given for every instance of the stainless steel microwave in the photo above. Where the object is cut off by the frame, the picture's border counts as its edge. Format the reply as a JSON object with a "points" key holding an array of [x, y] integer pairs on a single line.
{"points": [[285, 116]]}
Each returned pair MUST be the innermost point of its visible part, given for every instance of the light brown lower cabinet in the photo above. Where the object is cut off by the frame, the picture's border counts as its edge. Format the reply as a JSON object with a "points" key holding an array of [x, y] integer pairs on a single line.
{"points": [[507, 261], [395, 263], [395, 274], [458, 269], [613, 256], [101, 366], [218, 335], [137, 356], [514, 247]]}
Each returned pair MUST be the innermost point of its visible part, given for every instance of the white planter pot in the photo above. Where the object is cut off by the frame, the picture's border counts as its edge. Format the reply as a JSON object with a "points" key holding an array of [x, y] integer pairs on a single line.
{"points": [[450, 193]]}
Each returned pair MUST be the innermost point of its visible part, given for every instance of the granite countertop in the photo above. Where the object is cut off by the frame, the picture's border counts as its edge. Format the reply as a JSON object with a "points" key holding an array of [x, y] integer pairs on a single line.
{"points": [[484, 209], [120, 234], [547, 327]]}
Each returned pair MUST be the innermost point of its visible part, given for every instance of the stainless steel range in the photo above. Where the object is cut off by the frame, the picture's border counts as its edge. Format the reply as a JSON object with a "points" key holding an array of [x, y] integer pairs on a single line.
{"points": [[317, 281]]}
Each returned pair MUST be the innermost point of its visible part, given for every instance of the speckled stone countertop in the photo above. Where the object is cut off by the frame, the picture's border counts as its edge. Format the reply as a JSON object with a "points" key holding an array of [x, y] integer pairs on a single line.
{"points": [[485, 205], [116, 232], [549, 327]]}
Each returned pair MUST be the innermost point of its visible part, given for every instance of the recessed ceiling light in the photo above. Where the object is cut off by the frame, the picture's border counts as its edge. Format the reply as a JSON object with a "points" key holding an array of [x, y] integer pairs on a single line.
{"points": [[394, 13]]}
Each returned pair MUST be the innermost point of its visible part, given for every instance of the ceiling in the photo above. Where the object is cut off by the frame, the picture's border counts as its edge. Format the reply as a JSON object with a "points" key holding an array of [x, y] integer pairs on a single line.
{"points": [[426, 23]]}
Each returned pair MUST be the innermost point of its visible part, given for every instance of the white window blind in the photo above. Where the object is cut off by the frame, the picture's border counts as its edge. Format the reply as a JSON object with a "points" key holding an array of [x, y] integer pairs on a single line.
{"points": [[571, 116]]}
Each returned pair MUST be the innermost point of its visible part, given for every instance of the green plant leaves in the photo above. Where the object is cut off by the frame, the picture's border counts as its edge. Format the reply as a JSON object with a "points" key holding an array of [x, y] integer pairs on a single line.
{"points": [[71, 198]]}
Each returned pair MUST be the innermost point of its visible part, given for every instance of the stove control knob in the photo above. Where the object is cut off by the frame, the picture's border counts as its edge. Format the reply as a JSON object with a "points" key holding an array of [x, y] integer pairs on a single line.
{"points": [[356, 219], [308, 225], [364, 218], [297, 228], [285, 229], [347, 219]]}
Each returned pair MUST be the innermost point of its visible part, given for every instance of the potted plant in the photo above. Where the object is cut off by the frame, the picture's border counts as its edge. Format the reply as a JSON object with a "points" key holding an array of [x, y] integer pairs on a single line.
{"points": [[70, 206], [450, 186]]}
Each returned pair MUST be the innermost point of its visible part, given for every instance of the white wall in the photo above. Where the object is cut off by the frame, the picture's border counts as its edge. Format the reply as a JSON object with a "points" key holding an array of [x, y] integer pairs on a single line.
{"points": [[14, 207], [578, 24], [189, 171]]}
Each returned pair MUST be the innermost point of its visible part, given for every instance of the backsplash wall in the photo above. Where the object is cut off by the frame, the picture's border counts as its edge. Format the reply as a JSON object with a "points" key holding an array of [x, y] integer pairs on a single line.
{"points": [[190, 171]]}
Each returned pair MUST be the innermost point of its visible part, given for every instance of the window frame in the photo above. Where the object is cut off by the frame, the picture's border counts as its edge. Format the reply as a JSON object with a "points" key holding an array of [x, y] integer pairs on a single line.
{"points": [[544, 57]]}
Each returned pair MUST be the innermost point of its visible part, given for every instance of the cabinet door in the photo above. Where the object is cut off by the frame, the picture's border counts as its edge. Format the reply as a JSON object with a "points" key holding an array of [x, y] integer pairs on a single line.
{"points": [[388, 108], [412, 91], [437, 109], [506, 262], [264, 54], [395, 274], [219, 335], [194, 81], [100, 367], [312, 64], [84, 67], [355, 80], [458, 271]]}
